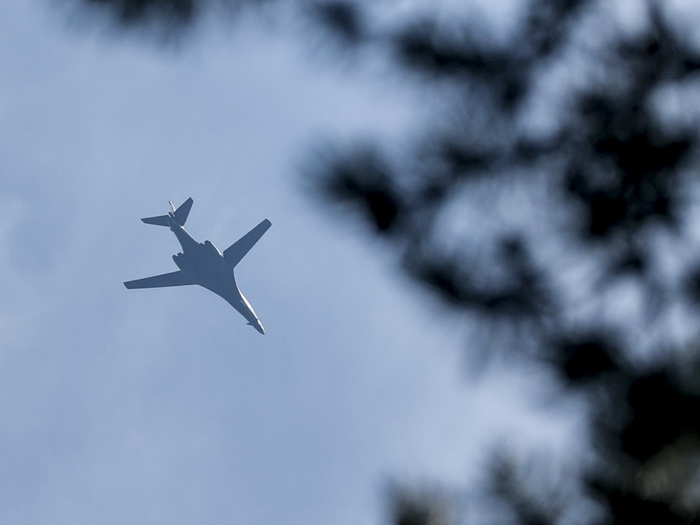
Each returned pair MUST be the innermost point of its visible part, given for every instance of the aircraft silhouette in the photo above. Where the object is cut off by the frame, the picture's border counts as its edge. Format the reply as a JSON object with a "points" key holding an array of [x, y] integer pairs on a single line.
{"points": [[204, 264]]}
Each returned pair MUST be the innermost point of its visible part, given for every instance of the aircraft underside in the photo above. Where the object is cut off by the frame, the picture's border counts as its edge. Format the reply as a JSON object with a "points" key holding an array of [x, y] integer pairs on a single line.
{"points": [[203, 264]]}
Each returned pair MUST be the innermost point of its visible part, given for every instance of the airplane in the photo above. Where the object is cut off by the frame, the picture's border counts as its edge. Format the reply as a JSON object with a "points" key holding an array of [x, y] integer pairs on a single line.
{"points": [[204, 264]]}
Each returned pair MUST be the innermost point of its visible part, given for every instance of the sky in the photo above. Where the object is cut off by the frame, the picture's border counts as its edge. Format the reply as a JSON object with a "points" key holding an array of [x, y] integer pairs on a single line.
{"points": [[161, 406]]}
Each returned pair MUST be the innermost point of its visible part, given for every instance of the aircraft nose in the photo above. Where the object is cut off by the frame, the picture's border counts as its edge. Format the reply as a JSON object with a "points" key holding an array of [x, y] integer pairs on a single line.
{"points": [[257, 325]]}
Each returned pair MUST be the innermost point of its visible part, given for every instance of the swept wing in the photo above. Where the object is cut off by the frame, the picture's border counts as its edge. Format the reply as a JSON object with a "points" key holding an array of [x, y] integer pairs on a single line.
{"points": [[160, 281], [234, 253]]}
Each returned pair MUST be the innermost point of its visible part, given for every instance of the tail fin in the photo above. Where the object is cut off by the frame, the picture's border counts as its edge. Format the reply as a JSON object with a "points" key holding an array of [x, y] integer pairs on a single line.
{"points": [[180, 215]]}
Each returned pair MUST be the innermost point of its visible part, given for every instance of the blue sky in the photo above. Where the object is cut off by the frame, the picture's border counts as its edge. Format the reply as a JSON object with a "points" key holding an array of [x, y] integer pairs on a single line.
{"points": [[162, 406]]}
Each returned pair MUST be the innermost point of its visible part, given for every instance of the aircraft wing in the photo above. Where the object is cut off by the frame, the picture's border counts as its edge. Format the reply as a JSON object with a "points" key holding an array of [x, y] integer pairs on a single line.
{"points": [[159, 281], [234, 253]]}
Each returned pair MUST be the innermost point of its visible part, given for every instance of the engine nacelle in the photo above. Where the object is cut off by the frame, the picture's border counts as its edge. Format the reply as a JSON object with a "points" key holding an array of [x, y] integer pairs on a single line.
{"points": [[179, 260]]}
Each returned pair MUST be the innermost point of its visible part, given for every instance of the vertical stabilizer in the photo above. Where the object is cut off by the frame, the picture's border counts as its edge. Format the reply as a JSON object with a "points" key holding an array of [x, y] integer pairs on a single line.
{"points": [[183, 211]]}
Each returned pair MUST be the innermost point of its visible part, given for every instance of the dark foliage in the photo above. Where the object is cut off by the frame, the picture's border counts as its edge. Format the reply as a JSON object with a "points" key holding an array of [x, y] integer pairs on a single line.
{"points": [[342, 19], [517, 498], [628, 508], [585, 358], [615, 168], [418, 508], [170, 17], [168, 12], [362, 178], [660, 412]]}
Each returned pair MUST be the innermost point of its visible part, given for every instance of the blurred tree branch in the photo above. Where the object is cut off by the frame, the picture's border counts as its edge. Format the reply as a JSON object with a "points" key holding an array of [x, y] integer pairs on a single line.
{"points": [[607, 175]]}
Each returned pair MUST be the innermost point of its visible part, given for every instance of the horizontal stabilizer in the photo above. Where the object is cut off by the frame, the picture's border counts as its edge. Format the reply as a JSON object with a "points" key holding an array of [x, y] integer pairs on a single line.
{"points": [[161, 220], [160, 281], [234, 253], [180, 215]]}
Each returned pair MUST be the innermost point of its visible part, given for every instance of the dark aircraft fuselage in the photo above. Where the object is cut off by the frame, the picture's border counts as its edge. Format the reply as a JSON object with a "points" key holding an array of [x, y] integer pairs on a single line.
{"points": [[206, 266]]}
